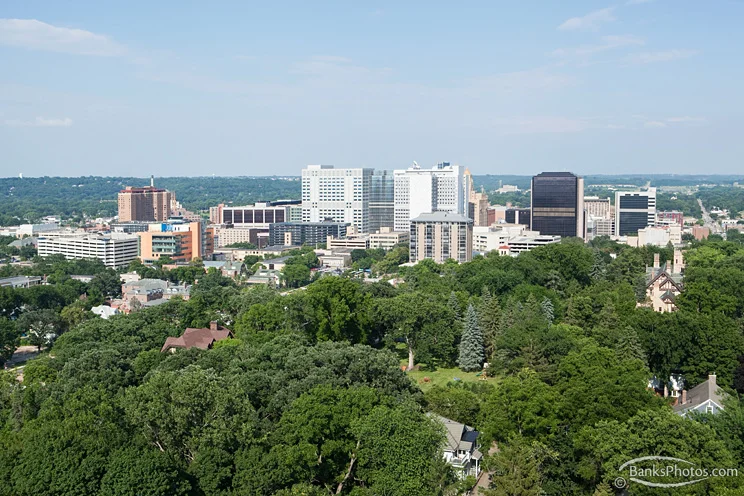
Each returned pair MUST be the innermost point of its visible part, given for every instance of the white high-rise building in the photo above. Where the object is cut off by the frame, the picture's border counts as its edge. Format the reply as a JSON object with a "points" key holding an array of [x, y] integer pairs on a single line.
{"points": [[341, 195], [421, 191], [634, 210]]}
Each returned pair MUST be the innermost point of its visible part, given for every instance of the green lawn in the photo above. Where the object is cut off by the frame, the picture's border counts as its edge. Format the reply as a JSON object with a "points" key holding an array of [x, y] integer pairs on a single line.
{"points": [[440, 377]]}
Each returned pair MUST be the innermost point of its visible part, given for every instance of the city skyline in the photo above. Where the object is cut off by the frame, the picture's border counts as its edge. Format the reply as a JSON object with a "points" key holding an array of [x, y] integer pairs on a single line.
{"points": [[627, 87]]}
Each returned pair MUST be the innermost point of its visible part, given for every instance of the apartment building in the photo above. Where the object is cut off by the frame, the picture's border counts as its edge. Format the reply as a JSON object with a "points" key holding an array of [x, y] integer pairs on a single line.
{"points": [[441, 236], [115, 250]]}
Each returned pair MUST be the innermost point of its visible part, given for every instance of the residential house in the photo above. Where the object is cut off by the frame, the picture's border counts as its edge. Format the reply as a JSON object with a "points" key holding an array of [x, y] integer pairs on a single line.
{"points": [[706, 397], [202, 339], [663, 285], [461, 447]]}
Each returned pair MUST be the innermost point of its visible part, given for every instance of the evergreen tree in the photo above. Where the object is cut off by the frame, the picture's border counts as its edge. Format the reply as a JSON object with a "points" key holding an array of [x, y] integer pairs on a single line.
{"points": [[598, 271], [489, 314], [629, 346], [547, 309], [454, 304], [603, 489], [472, 354]]}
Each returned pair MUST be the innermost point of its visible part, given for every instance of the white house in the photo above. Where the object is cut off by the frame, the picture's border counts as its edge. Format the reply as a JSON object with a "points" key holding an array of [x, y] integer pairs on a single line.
{"points": [[706, 397], [461, 447]]}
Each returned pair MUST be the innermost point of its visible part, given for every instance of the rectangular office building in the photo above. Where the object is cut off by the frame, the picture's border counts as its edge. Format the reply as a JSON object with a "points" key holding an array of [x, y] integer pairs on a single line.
{"points": [[305, 233], [634, 210], [115, 250], [336, 195], [558, 204]]}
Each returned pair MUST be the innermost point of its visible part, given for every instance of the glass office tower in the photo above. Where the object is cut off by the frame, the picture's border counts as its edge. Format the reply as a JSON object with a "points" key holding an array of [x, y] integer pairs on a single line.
{"points": [[558, 204], [382, 201]]}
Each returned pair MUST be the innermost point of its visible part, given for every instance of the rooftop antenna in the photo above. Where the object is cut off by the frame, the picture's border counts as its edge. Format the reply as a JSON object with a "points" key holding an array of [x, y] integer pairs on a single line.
{"points": [[416, 165]]}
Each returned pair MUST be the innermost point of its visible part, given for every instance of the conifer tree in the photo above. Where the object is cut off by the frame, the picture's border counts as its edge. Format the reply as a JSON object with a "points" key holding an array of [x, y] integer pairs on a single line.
{"points": [[489, 318], [472, 354], [454, 304], [547, 309], [598, 271], [629, 346]]}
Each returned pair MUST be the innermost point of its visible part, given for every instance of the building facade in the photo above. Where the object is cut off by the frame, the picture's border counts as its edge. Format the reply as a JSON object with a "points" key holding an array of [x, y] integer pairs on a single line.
{"points": [[148, 204], [558, 204], [382, 201], [387, 239], [441, 236], [518, 216], [634, 210], [180, 241], [598, 207], [336, 195], [420, 191], [305, 233], [259, 215], [670, 217], [115, 250]]}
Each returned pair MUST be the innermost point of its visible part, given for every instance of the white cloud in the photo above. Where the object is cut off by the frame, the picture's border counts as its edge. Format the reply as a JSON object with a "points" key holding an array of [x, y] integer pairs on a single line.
{"points": [[590, 22], [41, 122], [654, 124], [608, 43], [687, 119], [663, 56], [33, 34]]}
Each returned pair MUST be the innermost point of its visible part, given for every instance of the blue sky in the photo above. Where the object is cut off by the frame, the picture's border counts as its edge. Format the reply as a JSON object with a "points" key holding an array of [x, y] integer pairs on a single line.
{"points": [[254, 88]]}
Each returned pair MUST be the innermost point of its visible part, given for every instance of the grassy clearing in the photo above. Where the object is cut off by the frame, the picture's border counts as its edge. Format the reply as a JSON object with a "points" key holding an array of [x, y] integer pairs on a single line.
{"points": [[439, 377]]}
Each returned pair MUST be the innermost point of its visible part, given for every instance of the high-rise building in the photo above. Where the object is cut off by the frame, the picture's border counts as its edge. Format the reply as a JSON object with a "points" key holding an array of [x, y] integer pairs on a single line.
{"points": [[382, 201], [598, 207], [178, 240], [634, 210], [419, 191], [336, 195], [441, 236], [148, 204], [115, 250], [558, 204]]}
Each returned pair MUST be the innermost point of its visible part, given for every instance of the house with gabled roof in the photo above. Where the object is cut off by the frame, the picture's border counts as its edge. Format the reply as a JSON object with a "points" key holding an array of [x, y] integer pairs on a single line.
{"points": [[203, 338], [461, 449], [663, 285], [706, 397]]}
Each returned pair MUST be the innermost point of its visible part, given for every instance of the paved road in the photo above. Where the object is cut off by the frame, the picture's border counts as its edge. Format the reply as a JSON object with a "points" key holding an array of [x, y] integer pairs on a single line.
{"points": [[715, 227]]}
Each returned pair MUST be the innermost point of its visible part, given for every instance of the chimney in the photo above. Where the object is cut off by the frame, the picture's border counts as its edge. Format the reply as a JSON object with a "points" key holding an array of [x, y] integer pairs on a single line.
{"points": [[152, 180], [656, 260], [712, 381], [213, 325], [669, 266], [684, 396]]}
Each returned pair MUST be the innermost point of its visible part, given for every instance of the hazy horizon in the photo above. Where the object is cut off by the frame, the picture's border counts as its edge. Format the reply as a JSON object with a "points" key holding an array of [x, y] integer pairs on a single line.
{"points": [[634, 86]]}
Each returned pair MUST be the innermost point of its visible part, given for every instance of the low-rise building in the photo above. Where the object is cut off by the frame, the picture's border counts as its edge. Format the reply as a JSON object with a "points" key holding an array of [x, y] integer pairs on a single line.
{"points": [[115, 250], [357, 242], [521, 244], [700, 232], [20, 281], [663, 285], [706, 397], [305, 233], [148, 290], [335, 260], [202, 339], [387, 239], [178, 240], [461, 448], [269, 277], [105, 311]]}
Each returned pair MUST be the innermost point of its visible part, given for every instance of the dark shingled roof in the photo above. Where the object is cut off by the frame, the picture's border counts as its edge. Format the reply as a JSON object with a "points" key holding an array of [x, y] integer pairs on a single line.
{"points": [[198, 338]]}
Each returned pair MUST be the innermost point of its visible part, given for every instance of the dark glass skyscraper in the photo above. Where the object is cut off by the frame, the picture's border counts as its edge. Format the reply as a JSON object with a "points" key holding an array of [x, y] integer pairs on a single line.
{"points": [[558, 204]]}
